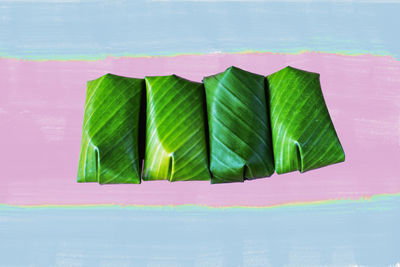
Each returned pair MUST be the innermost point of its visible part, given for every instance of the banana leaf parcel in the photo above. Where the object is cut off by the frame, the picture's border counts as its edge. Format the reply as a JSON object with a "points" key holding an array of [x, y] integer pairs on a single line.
{"points": [[239, 127], [303, 135], [176, 146], [110, 135]]}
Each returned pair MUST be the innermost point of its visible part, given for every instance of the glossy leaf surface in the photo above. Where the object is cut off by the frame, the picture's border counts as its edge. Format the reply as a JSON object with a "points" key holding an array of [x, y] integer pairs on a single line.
{"points": [[176, 147], [303, 135], [239, 128], [110, 136]]}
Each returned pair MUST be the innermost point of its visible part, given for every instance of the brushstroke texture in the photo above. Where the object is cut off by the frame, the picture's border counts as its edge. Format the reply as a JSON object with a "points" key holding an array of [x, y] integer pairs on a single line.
{"points": [[347, 233], [92, 29], [41, 107], [361, 92]]}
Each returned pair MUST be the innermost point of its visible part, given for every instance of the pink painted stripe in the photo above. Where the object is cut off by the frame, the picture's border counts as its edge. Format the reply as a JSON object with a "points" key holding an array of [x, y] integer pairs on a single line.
{"points": [[41, 112]]}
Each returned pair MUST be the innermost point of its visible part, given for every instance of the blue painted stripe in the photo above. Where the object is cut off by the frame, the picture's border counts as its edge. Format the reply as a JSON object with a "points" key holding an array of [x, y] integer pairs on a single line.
{"points": [[65, 29], [344, 233]]}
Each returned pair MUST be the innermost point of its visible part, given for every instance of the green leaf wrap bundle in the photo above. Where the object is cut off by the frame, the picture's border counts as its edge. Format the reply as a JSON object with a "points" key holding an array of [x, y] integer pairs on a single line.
{"points": [[303, 135], [176, 146], [239, 128], [110, 135]]}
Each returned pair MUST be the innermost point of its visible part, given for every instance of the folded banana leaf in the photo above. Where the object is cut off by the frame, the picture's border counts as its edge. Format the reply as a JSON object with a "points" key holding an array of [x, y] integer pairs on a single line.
{"points": [[176, 146], [110, 136], [239, 127], [303, 135]]}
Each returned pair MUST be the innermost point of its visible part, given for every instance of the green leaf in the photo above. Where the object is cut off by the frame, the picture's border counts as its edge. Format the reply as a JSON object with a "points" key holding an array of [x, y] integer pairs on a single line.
{"points": [[303, 135], [240, 137], [110, 136], [176, 147]]}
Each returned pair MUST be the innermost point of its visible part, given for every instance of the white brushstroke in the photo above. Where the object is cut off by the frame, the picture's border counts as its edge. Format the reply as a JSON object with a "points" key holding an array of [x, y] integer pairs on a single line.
{"points": [[53, 128], [387, 131]]}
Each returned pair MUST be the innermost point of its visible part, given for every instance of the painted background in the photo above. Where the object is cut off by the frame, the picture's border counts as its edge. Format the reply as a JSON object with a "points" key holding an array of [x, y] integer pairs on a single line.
{"points": [[342, 215]]}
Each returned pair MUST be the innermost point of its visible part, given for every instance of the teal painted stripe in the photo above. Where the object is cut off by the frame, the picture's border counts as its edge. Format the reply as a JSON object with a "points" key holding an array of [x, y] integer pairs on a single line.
{"points": [[338, 234], [93, 29]]}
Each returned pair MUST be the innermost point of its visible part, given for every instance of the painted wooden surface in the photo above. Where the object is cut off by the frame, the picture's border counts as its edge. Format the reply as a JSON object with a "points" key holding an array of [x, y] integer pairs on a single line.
{"points": [[340, 215]]}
